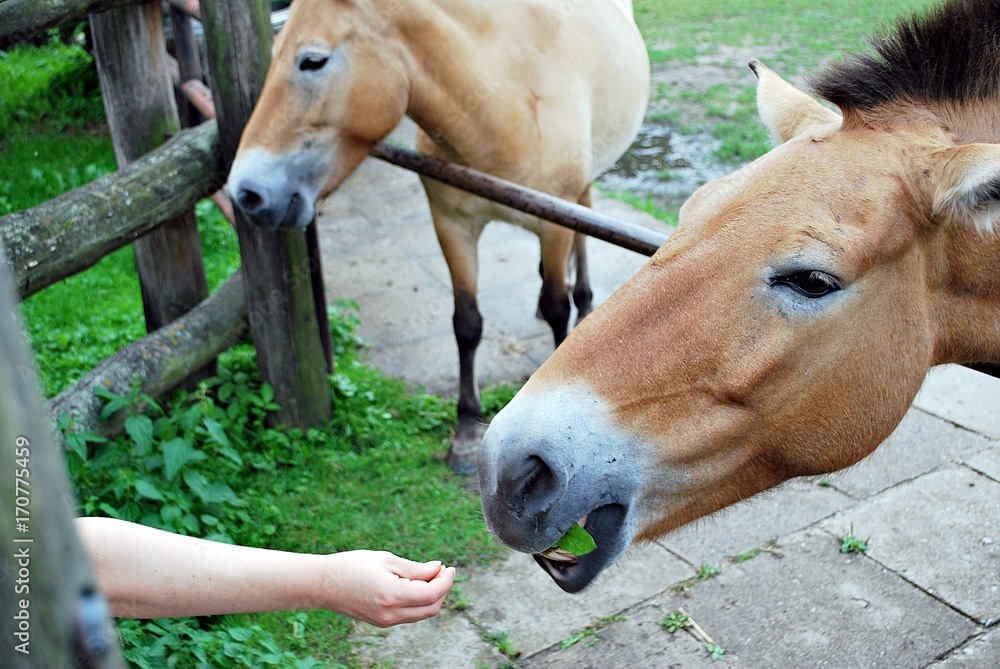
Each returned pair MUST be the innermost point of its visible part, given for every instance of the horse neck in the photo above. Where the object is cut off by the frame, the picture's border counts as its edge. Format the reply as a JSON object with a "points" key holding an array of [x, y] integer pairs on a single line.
{"points": [[453, 94], [967, 300]]}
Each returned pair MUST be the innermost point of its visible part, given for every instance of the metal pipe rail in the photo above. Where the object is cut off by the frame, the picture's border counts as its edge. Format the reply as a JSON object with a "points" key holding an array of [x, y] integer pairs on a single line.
{"points": [[577, 217]]}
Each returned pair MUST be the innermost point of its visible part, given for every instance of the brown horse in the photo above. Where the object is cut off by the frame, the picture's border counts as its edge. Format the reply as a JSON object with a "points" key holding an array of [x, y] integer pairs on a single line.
{"points": [[787, 325], [545, 93]]}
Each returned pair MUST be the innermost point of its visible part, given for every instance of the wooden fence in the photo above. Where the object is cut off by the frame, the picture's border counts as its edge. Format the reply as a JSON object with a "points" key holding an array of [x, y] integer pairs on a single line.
{"points": [[277, 296]]}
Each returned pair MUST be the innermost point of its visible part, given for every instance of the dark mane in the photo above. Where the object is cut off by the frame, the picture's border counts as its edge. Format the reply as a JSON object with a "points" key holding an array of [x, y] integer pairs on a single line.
{"points": [[952, 53]]}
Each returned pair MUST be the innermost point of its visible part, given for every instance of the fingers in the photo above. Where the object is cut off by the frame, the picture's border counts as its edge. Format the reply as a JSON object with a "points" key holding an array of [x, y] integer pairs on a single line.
{"points": [[418, 571], [423, 593], [420, 599]]}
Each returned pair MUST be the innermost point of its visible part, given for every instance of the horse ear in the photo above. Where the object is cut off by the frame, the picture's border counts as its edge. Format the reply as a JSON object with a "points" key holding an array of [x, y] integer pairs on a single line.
{"points": [[967, 185], [784, 109]]}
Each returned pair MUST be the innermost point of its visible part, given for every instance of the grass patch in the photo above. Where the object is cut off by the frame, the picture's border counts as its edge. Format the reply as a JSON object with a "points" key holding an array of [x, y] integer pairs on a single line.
{"points": [[701, 83], [799, 33], [647, 204], [54, 86], [851, 543]]}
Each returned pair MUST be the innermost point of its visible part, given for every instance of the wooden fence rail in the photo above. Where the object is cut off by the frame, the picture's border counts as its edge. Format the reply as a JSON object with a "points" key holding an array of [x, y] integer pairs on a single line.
{"points": [[23, 19], [158, 362]]}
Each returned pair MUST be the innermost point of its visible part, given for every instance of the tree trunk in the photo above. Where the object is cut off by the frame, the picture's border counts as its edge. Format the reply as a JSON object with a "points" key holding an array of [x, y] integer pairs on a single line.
{"points": [[283, 311], [158, 361], [67, 235], [50, 593]]}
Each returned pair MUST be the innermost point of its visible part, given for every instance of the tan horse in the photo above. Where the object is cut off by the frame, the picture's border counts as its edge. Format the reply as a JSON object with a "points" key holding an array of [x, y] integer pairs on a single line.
{"points": [[545, 93], [787, 325]]}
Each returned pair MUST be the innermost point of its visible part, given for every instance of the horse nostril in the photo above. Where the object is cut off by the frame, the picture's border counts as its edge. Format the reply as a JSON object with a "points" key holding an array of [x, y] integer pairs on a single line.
{"points": [[249, 200], [535, 488]]}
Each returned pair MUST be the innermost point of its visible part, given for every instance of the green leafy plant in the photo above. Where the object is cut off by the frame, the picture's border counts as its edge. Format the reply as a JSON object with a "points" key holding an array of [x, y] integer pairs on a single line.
{"points": [[715, 651], [501, 641], [193, 642], [675, 620], [171, 469], [706, 571], [591, 630], [850, 543], [577, 541]]}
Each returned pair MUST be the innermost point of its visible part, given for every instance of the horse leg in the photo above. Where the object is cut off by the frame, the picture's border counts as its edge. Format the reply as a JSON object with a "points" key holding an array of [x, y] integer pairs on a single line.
{"points": [[458, 243], [583, 296], [557, 243]]}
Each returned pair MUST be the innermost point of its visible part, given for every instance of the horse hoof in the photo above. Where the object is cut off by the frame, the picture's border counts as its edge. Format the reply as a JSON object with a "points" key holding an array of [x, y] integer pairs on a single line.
{"points": [[463, 456], [461, 466]]}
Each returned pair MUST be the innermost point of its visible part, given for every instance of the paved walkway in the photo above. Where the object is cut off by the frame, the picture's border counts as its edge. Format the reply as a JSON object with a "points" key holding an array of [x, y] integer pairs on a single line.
{"points": [[927, 593]]}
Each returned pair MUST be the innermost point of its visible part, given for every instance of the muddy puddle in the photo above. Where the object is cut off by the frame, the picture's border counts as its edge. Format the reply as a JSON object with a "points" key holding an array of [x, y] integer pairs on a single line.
{"points": [[665, 165]]}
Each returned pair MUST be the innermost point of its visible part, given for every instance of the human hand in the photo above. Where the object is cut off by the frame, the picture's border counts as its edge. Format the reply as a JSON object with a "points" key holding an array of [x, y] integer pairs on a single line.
{"points": [[383, 589]]}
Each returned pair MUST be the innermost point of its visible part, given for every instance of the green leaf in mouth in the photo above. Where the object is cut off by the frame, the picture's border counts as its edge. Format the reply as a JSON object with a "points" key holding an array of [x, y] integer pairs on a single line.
{"points": [[577, 541]]}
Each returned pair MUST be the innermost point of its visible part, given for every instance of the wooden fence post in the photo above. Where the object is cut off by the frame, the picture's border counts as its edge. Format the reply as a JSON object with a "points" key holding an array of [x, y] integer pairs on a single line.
{"points": [[138, 94], [188, 63], [52, 614], [283, 312]]}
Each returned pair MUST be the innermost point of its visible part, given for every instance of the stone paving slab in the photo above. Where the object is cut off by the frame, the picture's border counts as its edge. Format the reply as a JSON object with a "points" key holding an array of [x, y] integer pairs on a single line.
{"points": [[941, 532], [920, 444], [987, 463], [981, 653], [816, 607], [751, 524], [635, 642], [962, 396], [448, 640], [521, 600]]}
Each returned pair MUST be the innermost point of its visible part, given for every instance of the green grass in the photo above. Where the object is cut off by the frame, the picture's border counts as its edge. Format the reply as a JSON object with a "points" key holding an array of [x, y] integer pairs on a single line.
{"points": [[54, 85], [851, 543], [799, 33], [700, 50]]}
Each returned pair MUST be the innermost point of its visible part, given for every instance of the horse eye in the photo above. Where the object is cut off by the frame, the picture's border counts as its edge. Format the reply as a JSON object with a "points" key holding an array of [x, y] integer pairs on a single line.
{"points": [[312, 63], [811, 283]]}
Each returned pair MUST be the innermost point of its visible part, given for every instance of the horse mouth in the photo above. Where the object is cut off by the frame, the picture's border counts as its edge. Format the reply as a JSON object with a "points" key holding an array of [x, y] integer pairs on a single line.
{"points": [[572, 573]]}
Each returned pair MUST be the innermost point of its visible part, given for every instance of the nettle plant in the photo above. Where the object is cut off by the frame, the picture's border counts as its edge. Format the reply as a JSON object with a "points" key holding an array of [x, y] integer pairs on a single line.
{"points": [[173, 467]]}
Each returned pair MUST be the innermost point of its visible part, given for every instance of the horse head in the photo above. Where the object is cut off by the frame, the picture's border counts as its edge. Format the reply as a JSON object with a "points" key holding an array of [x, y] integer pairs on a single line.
{"points": [[783, 330], [335, 87]]}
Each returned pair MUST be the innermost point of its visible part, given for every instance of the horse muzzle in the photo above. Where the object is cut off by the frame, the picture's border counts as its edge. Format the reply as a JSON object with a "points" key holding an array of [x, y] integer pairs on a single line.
{"points": [[551, 461], [275, 191]]}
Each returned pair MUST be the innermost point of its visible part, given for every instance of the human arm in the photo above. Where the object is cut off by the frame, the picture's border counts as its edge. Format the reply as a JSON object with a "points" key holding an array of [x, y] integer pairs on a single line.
{"points": [[149, 573]]}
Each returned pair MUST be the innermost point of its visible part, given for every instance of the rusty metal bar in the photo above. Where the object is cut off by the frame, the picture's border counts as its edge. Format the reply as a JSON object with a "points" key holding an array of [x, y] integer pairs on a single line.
{"points": [[568, 214], [989, 368]]}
